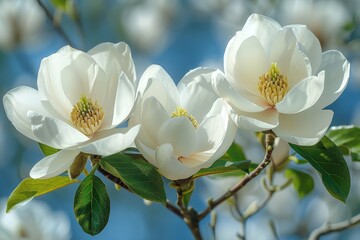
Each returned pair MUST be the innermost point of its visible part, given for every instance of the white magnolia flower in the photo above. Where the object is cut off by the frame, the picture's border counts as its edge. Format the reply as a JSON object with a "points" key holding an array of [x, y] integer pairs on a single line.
{"points": [[277, 78], [82, 97], [20, 21], [183, 128], [33, 221]]}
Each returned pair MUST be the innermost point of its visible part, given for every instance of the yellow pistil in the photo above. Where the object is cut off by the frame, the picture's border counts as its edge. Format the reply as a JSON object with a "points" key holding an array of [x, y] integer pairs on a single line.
{"points": [[181, 112], [273, 85], [87, 116]]}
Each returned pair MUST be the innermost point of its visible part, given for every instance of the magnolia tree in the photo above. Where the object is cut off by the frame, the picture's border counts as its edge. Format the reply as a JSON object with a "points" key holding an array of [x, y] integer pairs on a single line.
{"points": [[276, 83]]}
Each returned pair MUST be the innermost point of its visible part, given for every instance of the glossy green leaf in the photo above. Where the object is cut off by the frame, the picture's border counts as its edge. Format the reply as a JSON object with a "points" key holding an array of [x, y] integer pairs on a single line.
{"points": [[140, 176], [302, 182], [347, 138], [328, 160], [235, 153], [92, 205], [47, 150], [30, 188], [223, 166]]}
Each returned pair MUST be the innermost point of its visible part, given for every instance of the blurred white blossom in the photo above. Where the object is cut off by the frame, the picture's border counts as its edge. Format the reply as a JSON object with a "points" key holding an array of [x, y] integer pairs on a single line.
{"points": [[33, 221], [325, 18], [20, 21], [146, 23]]}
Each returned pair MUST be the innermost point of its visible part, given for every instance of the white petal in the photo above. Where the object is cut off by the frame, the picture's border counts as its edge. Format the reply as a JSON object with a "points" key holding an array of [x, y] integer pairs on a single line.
{"points": [[282, 48], [260, 121], [337, 70], [238, 98], [180, 133], [299, 68], [65, 76], [264, 28], [111, 141], [309, 44], [156, 82], [114, 59], [54, 132], [146, 151], [169, 166], [216, 134], [17, 103], [153, 117], [196, 92], [303, 95], [54, 164], [305, 128], [196, 160], [119, 103], [244, 69]]}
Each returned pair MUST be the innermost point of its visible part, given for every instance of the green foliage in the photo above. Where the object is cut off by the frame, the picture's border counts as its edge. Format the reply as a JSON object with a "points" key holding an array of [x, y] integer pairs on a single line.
{"points": [[92, 205], [61, 4], [303, 183], [224, 166], [235, 153], [347, 138], [47, 150], [140, 176], [328, 160], [30, 188]]}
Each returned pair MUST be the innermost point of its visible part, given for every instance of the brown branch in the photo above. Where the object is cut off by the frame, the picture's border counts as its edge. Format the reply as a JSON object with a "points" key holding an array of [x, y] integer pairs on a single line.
{"points": [[269, 140], [189, 215], [336, 227]]}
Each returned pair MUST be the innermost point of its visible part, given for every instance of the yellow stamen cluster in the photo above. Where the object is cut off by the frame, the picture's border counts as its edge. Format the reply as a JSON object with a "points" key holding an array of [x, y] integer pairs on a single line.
{"points": [[87, 116], [273, 85], [181, 112]]}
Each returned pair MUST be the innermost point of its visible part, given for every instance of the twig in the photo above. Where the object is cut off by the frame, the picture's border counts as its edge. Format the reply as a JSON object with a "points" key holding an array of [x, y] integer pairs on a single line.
{"points": [[336, 227], [57, 27], [190, 216], [270, 138]]}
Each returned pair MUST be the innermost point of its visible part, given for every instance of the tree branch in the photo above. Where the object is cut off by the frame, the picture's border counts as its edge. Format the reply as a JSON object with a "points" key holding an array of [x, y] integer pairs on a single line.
{"points": [[57, 27], [336, 227], [269, 140]]}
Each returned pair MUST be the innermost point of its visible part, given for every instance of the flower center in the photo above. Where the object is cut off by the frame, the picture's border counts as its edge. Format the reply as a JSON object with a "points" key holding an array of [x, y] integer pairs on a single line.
{"points": [[273, 85], [87, 116], [181, 112]]}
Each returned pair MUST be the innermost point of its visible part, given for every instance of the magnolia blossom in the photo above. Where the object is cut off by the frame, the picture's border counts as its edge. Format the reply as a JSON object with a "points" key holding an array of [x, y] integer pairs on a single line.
{"points": [[183, 128], [33, 221], [82, 97], [20, 21], [277, 78]]}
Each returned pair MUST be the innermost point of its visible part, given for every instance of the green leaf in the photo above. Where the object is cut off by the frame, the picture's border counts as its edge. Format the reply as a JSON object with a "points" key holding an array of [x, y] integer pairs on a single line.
{"points": [[92, 205], [30, 188], [47, 150], [328, 160], [303, 183], [347, 138], [140, 176], [224, 166], [235, 153]]}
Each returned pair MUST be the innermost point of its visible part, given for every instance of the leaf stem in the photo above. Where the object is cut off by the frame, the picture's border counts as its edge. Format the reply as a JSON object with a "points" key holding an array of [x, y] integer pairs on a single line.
{"points": [[269, 141], [336, 227]]}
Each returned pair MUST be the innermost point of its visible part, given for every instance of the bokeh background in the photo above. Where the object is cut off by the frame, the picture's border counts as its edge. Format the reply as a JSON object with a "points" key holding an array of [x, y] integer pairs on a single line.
{"points": [[180, 36]]}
